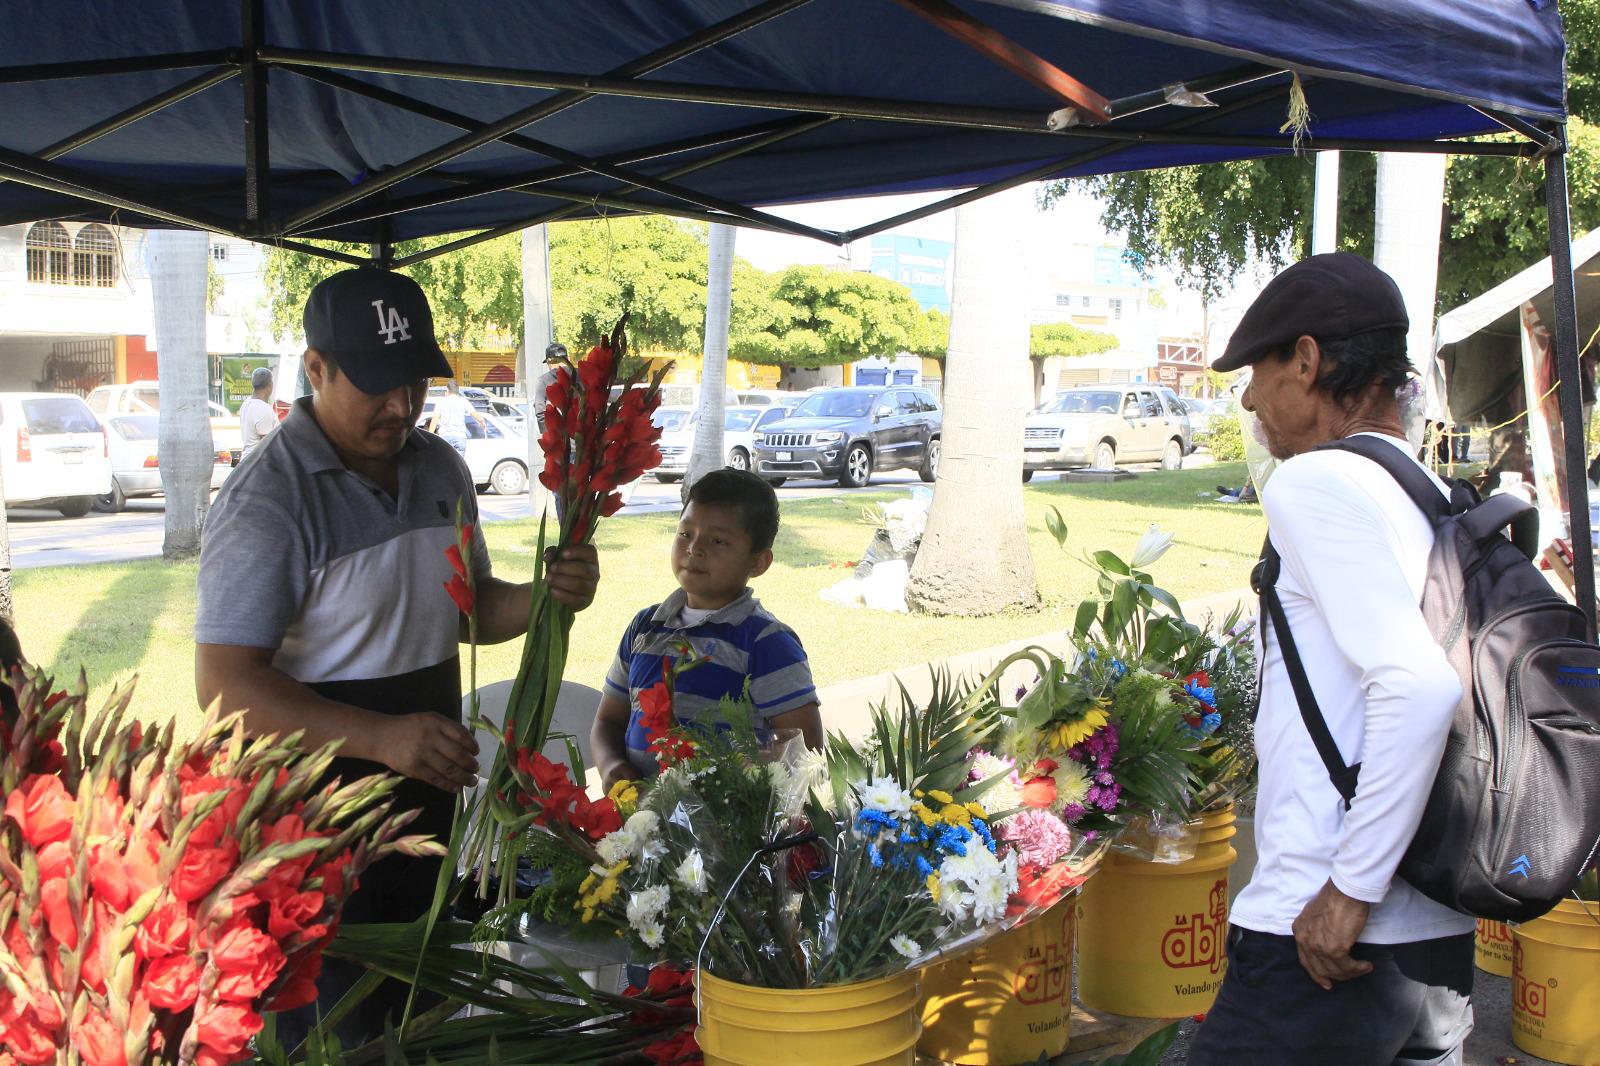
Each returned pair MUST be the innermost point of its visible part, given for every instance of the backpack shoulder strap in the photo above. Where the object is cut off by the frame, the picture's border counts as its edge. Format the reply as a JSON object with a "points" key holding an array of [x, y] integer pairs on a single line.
{"points": [[1265, 580], [1411, 477]]}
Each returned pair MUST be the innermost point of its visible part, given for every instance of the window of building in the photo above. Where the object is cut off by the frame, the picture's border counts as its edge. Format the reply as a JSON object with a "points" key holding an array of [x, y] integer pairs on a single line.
{"points": [[55, 258], [1116, 308], [49, 251], [94, 257], [1063, 299], [1085, 301], [219, 253]]}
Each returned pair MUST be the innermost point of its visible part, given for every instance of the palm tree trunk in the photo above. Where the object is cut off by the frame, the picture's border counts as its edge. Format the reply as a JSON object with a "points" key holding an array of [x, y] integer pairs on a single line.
{"points": [[178, 282], [708, 453], [974, 558], [537, 335]]}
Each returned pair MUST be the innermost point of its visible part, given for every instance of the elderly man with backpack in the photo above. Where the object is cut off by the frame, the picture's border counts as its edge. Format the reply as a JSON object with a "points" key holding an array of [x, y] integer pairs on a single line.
{"points": [[1411, 733]]}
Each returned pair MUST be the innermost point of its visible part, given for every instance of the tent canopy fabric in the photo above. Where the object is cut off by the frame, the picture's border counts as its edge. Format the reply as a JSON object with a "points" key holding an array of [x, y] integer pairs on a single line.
{"points": [[376, 122], [1479, 344]]}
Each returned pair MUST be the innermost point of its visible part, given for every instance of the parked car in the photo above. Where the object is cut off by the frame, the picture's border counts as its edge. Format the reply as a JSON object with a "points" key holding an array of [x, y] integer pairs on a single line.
{"points": [[144, 398], [848, 433], [135, 466], [739, 428], [53, 452], [1101, 425], [1179, 409], [767, 398], [1203, 414], [497, 451]]}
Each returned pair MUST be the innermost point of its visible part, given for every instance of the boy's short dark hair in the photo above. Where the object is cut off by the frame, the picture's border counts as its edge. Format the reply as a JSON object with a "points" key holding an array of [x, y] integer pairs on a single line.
{"points": [[757, 503]]}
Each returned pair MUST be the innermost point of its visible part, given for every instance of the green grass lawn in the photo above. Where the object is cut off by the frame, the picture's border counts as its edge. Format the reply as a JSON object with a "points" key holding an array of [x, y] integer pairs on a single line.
{"points": [[116, 619]]}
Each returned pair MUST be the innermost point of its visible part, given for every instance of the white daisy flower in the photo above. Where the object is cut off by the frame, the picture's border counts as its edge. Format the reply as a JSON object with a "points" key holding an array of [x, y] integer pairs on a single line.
{"points": [[905, 946], [651, 934], [691, 873], [646, 905], [884, 794]]}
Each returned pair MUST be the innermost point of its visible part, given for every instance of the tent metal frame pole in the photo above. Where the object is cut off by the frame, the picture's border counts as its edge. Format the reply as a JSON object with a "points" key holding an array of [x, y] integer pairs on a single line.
{"points": [[138, 111], [289, 245], [1543, 138], [129, 65], [1569, 370], [1053, 123], [1244, 103], [695, 42], [257, 153], [27, 170], [573, 159], [523, 182], [563, 212]]}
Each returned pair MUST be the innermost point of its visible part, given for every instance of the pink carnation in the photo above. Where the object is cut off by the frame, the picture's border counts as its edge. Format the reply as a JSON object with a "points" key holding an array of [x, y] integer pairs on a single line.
{"points": [[1038, 837]]}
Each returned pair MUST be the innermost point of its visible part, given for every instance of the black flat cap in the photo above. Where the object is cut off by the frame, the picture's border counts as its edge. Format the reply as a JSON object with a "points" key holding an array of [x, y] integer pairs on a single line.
{"points": [[1329, 297]]}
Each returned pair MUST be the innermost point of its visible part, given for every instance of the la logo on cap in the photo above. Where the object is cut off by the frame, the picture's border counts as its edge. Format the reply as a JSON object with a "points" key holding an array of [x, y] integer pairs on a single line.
{"points": [[393, 327]]}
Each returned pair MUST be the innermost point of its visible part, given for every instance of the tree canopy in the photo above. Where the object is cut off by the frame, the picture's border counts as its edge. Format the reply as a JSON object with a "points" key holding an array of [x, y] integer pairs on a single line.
{"points": [[655, 268], [1064, 339], [1209, 223]]}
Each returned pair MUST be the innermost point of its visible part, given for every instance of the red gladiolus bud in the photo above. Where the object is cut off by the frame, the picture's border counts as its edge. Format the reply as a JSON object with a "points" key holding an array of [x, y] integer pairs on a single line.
{"points": [[611, 504], [225, 1028]]}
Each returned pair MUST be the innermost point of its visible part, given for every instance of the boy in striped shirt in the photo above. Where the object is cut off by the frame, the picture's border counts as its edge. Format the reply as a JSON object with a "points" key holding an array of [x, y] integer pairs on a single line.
{"points": [[724, 539]]}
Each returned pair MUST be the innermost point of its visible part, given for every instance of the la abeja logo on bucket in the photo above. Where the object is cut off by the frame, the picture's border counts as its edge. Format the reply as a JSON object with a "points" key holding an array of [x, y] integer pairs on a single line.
{"points": [[1529, 998], [1196, 940]]}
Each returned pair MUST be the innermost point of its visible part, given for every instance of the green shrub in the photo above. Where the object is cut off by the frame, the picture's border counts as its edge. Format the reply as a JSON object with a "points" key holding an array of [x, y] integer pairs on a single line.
{"points": [[1225, 441]]}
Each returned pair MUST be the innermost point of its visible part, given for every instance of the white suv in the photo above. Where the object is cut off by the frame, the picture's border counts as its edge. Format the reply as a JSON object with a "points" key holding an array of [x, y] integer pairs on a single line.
{"points": [[53, 452]]}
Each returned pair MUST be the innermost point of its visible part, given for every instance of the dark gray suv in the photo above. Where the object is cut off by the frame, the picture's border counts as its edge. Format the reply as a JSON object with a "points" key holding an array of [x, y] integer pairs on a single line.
{"points": [[848, 433]]}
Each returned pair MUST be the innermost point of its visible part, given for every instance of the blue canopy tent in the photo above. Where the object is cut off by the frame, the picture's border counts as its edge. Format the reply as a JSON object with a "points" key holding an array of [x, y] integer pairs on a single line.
{"points": [[374, 122]]}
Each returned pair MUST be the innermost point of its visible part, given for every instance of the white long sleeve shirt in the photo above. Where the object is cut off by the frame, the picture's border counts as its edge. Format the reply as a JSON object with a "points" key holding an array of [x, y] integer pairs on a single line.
{"points": [[1355, 551]]}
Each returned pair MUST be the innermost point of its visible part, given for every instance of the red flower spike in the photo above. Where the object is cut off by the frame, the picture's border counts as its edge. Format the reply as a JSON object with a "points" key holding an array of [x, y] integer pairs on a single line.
{"points": [[461, 594]]}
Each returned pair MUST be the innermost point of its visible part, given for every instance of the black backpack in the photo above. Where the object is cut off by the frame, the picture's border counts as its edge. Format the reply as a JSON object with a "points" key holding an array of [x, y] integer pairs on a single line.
{"points": [[1513, 818]]}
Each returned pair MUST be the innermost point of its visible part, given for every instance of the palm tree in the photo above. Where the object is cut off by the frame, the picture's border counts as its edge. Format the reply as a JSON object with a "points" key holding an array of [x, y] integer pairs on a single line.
{"points": [[708, 452], [974, 558], [178, 260]]}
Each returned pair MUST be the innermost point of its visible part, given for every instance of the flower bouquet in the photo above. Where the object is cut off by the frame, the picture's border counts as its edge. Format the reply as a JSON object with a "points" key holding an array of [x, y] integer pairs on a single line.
{"points": [[156, 897], [593, 444]]}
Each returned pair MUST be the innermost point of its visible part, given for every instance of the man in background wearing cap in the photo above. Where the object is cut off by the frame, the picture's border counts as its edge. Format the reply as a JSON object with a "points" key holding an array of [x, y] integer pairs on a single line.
{"points": [[321, 603], [1331, 958], [554, 356], [256, 417]]}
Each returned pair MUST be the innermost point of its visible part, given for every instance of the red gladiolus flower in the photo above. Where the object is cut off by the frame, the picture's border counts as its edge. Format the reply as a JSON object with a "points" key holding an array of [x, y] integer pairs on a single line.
{"points": [[333, 876], [300, 990], [172, 983], [612, 504], [296, 914], [461, 593], [226, 1028], [452, 555], [42, 809], [594, 819], [248, 959], [57, 913], [99, 1042], [202, 868], [677, 1050], [167, 931]]}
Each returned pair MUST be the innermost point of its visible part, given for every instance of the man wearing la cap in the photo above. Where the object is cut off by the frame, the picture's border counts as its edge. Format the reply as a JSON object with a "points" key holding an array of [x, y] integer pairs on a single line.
{"points": [[1331, 958], [321, 599]]}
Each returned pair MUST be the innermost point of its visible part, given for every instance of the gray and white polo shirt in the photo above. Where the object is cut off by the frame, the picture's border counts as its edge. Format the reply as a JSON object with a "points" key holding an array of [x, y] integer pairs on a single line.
{"points": [[346, 583]]}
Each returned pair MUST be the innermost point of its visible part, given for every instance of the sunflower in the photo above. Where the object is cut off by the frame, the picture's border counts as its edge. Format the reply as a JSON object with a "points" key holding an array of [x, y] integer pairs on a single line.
{"points": [[1066, 735]]}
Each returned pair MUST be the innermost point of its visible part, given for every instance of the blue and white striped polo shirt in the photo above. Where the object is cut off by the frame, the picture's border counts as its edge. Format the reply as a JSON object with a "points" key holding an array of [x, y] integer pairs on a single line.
{"points": [[745, 643]]}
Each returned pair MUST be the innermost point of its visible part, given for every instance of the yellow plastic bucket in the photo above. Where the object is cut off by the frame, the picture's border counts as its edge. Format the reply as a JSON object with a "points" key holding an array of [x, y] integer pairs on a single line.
{"points": [[1555, 982], [1152, 938], [1009, 1001], [873, 1023], [1492, 947]]}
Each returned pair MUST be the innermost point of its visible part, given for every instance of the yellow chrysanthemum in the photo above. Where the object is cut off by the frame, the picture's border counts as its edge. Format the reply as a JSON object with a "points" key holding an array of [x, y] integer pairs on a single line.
{"points": [[955, 814], [940, 797], [588, 915], [1070, 734], [976, 810], [625, 794], [933, 886], [924, 815]]}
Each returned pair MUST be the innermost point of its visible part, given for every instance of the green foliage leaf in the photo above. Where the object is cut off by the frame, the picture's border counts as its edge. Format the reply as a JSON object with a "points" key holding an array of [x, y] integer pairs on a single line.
{"points": [[1056, 525], [1049, 339]]}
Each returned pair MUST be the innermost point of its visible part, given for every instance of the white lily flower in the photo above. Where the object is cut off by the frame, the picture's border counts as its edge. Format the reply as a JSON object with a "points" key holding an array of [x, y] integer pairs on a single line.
{"points": [[1152, 546]]}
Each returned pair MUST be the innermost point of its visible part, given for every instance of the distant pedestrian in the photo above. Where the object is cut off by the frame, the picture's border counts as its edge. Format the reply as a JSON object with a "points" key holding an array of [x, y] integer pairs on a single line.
{"points": [[554, 356], [452, 415], [256, 416]]}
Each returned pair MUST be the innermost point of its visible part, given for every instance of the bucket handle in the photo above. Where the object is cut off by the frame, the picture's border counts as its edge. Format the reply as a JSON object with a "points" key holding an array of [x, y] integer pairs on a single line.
{"points": [[782, 843]]}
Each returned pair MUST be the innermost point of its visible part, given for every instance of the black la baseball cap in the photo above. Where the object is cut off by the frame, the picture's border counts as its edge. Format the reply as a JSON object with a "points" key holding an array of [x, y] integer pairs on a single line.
{"points": [[1330, 297], [377, 325]]}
